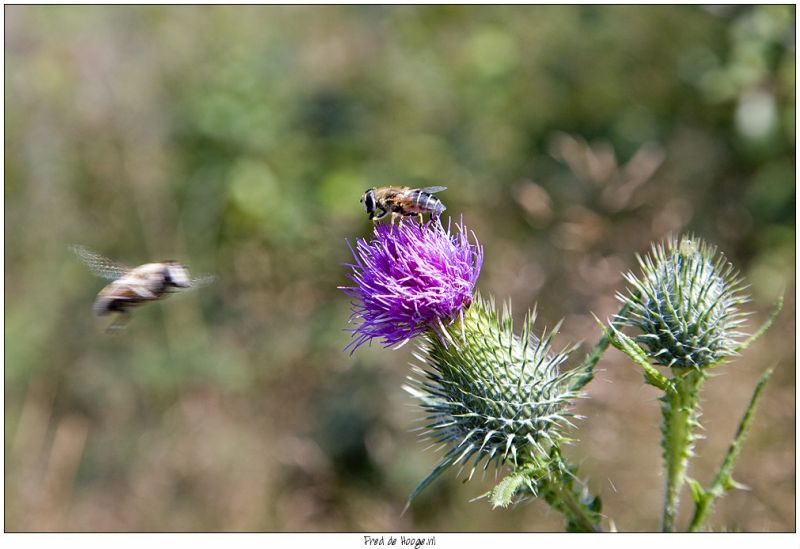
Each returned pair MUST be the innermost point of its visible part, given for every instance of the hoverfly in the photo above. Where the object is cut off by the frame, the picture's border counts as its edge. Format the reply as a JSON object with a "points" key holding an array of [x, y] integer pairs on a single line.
{"points": [[402, 201], [133, 286]]}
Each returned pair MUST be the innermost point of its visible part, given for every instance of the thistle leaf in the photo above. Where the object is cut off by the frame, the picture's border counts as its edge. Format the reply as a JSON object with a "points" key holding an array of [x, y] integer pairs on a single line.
{"points": [[723, 481], [433, 475], [630, 348], [503, 494], [764, 327], [698, 493], [586, 369]]}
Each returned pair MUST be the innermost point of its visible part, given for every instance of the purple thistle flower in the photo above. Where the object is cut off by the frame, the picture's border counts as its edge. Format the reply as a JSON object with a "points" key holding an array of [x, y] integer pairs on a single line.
{"points": [[410, 278]]}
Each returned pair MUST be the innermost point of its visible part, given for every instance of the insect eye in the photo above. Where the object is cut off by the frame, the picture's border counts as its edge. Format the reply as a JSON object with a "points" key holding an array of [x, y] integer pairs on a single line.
{"points": [[369, 201], [177, 275]]}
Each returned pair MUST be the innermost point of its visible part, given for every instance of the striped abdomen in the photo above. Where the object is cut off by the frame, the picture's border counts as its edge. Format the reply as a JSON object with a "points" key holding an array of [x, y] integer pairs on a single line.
{"points": [[421, 201]]}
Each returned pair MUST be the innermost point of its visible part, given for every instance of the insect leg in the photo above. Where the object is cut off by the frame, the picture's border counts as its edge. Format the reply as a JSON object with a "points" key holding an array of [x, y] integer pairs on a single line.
{"points": [[381, 215], [120, 321]]}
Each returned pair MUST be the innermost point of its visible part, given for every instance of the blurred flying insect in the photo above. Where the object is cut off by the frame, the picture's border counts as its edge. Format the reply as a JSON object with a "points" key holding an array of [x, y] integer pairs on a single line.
{"points": [[132, 286], [402, 201]]}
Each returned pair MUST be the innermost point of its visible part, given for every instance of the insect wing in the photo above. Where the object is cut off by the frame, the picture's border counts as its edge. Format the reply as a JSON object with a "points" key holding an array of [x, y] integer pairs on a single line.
{"points": [[99, 265], [202, 280], [431, 190]]}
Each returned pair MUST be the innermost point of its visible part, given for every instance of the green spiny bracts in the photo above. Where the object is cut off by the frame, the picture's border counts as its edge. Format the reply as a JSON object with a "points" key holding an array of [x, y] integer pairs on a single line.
{"points": [[493, 395], [686, 305]]}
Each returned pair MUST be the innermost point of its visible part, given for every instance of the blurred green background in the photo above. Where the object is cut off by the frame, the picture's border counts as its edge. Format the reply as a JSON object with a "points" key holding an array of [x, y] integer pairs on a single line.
{"points": [[239, 139]]}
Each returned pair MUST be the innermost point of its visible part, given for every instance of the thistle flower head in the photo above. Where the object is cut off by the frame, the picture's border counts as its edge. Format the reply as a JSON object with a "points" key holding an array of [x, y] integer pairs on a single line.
{"points": [[685, 304], [411, 278], [495, 396]]}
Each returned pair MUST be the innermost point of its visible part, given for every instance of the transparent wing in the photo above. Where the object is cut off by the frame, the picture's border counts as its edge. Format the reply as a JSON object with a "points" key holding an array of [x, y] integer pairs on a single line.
{"points": [[202, 280], [99, 265], [431, 190]]}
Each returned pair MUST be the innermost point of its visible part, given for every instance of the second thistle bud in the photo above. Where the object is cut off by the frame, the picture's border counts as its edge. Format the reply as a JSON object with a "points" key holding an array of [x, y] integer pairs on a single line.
{"points": [[686, 305], [494, 396]]}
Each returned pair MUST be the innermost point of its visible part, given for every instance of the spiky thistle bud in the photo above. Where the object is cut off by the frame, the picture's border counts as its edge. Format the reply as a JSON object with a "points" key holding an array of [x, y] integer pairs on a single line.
{"points": [[495, 396], [686, 304]]}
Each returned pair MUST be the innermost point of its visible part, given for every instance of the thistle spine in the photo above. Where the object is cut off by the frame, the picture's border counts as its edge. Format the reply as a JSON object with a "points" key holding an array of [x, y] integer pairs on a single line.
{"points": [[494, 397]]}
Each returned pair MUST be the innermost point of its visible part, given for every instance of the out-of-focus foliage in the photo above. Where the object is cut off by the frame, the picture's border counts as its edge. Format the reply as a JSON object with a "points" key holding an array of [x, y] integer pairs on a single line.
{"points": [[239, 139]]}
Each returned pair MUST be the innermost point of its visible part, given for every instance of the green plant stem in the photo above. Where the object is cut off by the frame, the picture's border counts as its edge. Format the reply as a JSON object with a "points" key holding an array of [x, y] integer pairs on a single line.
{"points": [[593, 356], [563, 495], [679, 411], [704, 499], [555, 481]]}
